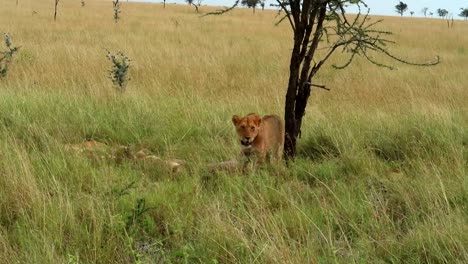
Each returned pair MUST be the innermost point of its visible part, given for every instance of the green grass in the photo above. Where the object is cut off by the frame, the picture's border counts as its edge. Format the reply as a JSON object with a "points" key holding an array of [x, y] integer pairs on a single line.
{"points": [[361, 190], [381, 175]]}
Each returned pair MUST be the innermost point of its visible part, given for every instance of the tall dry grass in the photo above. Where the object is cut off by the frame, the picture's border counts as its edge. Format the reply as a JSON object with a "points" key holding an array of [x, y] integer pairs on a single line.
{"points": [[381, 176]]}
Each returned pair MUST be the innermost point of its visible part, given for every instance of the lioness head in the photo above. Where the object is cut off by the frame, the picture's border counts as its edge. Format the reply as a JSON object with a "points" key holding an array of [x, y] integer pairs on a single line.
{"points": [[247, 128]]}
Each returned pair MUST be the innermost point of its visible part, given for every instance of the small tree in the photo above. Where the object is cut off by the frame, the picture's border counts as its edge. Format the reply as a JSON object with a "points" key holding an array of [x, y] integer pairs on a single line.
{"points": [[401, 8], [119, 71], [464, 13], [116, 7], [262, 4], [324, 25], [431, 14], [442, 12], [424, 11], [55, 9], [250, 4], [196, 5], [411, 13], [6, 57]]}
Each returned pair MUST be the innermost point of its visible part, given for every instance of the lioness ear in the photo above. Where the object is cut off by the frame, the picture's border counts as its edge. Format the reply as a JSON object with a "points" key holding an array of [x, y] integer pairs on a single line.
{"points": [[258, 120], [235, 119]]}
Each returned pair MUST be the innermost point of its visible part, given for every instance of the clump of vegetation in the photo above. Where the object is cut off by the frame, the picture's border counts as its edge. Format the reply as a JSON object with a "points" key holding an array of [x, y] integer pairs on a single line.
{"points": [[442, 12], [119, 71], [7, 56]]}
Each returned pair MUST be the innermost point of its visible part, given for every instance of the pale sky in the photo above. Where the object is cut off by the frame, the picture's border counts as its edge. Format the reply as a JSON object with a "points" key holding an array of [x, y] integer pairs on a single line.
{"points": [[387, 7], [377, 7]]}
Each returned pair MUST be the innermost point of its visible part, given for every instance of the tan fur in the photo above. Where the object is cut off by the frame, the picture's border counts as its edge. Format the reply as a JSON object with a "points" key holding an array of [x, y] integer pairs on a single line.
{"points": [[260, 137]]}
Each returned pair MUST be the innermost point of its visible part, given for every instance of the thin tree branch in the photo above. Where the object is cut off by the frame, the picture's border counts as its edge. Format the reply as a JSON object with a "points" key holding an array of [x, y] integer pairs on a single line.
{"points": [[313, 46], [222, 11], [288, 14], [318, 86], [310, 26]]}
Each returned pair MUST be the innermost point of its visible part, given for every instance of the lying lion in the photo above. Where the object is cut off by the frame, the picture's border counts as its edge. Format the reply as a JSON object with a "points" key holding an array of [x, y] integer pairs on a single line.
{"points": [[260, 137]]}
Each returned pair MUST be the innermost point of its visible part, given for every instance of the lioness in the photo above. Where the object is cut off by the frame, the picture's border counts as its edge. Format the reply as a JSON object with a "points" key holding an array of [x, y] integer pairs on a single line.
{"points": [[260, 136]]}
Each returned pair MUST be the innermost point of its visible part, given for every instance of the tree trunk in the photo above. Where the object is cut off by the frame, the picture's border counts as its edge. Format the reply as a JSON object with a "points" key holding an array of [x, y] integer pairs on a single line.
{"points": [[300, 79], [291, 127], [164, 4]]}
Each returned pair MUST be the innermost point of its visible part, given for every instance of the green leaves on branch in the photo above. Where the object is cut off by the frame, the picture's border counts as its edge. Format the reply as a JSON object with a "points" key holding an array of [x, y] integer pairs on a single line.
{"points": [[356, 36], [360, 38]]}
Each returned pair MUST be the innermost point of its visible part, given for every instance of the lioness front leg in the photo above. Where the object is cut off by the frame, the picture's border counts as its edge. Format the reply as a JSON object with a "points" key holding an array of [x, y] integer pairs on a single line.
{"points": [[279, 154]]}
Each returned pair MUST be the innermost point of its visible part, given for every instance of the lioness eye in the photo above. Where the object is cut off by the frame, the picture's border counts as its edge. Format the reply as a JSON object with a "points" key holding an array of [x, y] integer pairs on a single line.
{"points": [[252, 128], [243, 127]]}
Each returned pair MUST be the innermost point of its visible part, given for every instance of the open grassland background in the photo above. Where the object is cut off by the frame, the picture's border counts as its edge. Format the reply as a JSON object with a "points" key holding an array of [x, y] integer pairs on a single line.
{"points": [[382, 174]]}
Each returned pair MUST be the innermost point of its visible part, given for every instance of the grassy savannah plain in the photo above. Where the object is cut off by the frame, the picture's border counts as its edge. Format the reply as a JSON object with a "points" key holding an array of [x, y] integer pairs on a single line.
{"points": [[381, 176]]}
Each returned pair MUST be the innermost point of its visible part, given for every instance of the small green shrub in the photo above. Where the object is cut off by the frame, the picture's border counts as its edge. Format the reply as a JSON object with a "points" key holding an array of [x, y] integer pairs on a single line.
{"points": [[119, 71]]}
